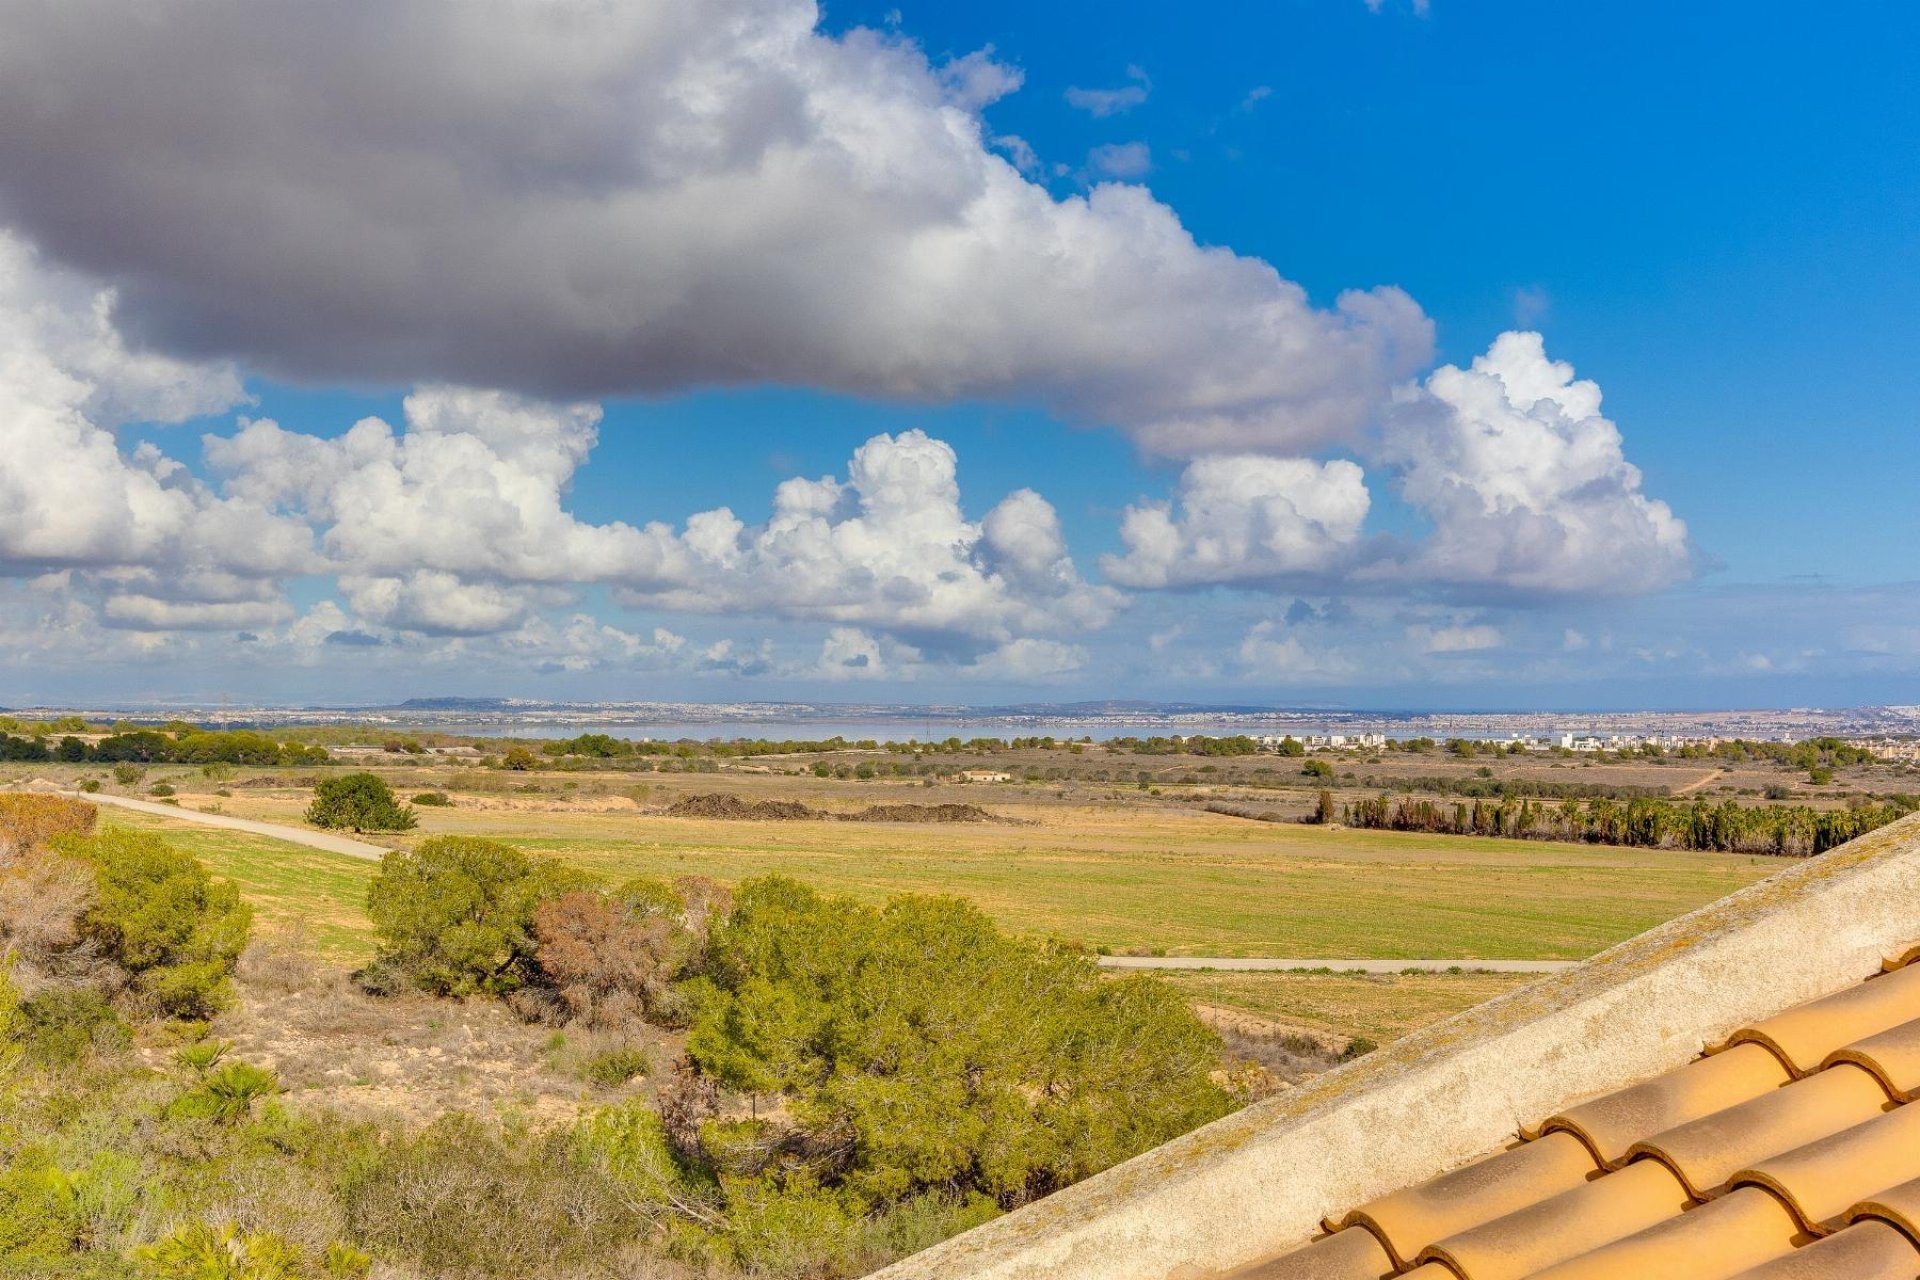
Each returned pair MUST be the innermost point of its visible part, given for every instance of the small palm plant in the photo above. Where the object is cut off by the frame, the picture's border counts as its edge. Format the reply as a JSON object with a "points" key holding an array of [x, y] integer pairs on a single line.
{"points": [[233, 1089], [204, 1056]]}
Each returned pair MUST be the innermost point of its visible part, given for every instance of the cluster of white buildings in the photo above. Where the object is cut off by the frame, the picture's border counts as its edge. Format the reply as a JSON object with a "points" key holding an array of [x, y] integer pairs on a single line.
{"points": [[1901, 749], [1326, 741]]}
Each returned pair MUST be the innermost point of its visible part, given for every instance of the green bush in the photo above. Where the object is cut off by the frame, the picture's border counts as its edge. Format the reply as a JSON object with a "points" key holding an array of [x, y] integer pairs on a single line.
{"points": [[456, 914], [160, 916], [128, 774], [359, 802], [433, 800], [925, 1050], [160, 790], [63, 1025], [462, 1198]]}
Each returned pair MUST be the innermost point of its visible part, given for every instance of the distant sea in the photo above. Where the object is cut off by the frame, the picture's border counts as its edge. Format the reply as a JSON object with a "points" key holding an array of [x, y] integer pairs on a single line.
{"points": [[889, 730]]}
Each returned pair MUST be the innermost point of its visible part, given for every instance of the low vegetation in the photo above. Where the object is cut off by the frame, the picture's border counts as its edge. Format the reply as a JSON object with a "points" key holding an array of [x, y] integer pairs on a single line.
{"points": [[857, 1081], [853, 1075]]}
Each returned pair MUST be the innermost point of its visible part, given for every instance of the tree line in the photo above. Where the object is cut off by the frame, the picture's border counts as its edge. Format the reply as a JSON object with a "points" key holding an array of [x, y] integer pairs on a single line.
{"points": [[1642, 822], [155, 746]]}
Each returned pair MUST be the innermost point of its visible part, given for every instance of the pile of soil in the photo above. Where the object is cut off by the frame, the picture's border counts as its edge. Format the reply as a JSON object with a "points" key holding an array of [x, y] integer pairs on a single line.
{"points": [[720, 804], [919, 813], [724, 805]]}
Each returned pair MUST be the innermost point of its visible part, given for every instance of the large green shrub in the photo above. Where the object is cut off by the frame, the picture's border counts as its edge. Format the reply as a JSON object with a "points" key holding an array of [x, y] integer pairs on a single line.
{"points": [[918, 1048], [359, 802], [456, 914], [158, 914]]}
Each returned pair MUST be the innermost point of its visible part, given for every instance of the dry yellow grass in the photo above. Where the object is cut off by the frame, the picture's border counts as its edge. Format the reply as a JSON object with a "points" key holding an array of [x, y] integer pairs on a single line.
{"points": [[1381, 1008]]}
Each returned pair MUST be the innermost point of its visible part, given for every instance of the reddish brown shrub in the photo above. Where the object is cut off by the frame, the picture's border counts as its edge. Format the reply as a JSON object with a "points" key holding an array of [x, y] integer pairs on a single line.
{"points": [[604, 963]]}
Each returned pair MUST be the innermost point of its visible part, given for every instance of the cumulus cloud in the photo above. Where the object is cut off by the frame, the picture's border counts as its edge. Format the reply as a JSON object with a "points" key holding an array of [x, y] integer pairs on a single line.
{"points": [[570, 199], [890, 546], [458, 525], [1100, 103], [455, 527], [1527, 485], [475, 485], [72, 497], [1245, 520]]}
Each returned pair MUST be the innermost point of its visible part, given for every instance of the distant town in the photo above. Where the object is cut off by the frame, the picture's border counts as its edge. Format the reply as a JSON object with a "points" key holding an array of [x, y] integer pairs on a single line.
{"points": [[1893, 732]]}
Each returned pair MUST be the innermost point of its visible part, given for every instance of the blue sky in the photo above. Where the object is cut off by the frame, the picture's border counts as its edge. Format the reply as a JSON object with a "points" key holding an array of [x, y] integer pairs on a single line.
{"points": [[1705, 212]]}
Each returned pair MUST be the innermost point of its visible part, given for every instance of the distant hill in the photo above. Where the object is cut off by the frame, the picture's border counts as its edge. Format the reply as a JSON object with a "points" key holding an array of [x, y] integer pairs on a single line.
{"points": [[456, 704]]}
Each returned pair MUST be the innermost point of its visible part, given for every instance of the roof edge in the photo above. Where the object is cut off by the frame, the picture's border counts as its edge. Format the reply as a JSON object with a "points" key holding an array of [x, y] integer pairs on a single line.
{"points": [[1258, 1181]]}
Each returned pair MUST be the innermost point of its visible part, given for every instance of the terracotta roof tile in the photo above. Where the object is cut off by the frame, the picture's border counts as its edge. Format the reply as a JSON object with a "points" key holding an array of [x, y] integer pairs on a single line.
{"points": [[1867, 1251], [1412, 1219], [1565, 1226], [1902, 960], [1344, 1255], [1803, 1036], [1707, 1152], [1893, 1055], [1899, 1205], [1714, 1241], [1822, 1180], [1800, 1129], [1611, 1125]]}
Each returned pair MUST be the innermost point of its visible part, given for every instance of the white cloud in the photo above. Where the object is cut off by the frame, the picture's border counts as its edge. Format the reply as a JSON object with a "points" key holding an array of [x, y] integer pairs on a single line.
{"points": [[436, 602], [579, 199], [1245, 520], [1100, 103], [1029, 659], [888, 547], [1526, 483], [473, 486], [1456, 639], [70, 495], [1020, 152], [976, 80], [1123, 160], [1270, 654]]}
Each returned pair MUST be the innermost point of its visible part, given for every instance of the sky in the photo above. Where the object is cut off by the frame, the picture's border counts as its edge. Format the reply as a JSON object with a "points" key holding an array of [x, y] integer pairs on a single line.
{"points": [[1384, 354]]}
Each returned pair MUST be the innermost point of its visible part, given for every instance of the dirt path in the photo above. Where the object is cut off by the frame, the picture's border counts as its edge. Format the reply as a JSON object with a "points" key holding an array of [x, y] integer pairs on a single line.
{"points": [[273, 830], [1243, 964], [1698, 783]]}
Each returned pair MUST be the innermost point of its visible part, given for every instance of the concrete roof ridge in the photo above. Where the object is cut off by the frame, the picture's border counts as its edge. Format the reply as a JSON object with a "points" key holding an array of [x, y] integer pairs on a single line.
{"points": [[1259, 1181]]}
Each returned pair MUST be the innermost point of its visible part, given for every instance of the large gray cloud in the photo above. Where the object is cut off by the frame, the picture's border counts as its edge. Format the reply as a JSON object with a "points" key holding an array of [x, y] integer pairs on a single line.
{"points": [[581, 197]]}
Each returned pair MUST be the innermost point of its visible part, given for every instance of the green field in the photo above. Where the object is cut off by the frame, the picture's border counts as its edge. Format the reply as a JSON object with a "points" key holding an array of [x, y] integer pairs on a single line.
{"points": [[320, 895], [1181, 881]]}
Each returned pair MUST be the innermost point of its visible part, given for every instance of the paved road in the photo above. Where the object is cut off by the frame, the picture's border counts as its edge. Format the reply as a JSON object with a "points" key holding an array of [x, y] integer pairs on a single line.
{"points": [[273, 830], [1241, 964]]}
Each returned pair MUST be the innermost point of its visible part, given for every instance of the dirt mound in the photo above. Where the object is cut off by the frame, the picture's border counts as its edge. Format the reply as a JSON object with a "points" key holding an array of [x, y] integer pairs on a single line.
{"points": [[919, 813], [721, 804], [725, 805]]}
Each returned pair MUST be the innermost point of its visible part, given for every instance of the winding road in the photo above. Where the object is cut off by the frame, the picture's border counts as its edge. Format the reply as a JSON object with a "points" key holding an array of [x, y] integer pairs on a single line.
{"points": [[272, 830]]}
